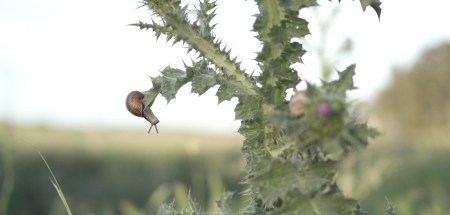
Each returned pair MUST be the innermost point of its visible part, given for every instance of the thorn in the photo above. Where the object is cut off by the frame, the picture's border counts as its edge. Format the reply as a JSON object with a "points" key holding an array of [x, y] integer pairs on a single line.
{"points": [[156, 129]]}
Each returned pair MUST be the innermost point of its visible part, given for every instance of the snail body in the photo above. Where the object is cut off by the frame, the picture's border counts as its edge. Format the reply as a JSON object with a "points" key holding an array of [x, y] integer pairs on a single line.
{"points": [[135, 106]]}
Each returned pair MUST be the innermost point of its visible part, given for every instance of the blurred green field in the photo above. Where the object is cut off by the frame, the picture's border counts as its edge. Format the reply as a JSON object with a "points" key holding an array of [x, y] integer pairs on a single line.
{"points": [[120, 172], [131, 172], [415, 176]]}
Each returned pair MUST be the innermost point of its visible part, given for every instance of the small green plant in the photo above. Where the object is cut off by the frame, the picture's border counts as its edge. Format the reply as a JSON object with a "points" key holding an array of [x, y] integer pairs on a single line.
{"points": [[292, 148]]}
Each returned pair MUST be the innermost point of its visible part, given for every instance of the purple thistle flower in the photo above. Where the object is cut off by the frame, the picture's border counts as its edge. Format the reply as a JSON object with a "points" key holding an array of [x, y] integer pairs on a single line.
{"points": [[323, 109]]}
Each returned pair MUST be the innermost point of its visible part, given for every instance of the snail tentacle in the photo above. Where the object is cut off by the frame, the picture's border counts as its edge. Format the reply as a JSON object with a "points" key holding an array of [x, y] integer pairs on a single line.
{"points": [[151, 126]]}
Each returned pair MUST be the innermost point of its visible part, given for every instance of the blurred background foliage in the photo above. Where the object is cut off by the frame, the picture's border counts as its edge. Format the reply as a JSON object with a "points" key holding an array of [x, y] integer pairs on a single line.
{"points": [[120, 172], [131, 172], [410, 162], [417, 103]]}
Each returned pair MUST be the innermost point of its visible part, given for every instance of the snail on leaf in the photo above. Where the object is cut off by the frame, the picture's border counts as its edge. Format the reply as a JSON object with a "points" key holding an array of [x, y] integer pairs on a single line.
{"points": [[135, 106]]}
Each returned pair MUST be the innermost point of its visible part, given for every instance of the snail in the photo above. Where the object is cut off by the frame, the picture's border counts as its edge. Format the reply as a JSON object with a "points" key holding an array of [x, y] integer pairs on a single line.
{"points": [[136, 107]]}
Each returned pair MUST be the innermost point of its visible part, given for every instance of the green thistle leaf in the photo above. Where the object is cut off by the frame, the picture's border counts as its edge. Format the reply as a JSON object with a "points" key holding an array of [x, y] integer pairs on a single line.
{"points": [[151, 94], [254, 208], [248, 108], [358, 211], [359, 134], [375, 4], [190, 209], [344, 83], [228, 89], [294, 26], [274, 95], [293, 53], [390, 210], [169, 88], [172, 81], [204, 77], [251, 130], [286, 76], [167, 209], [283, 177], [224, 203], [296, 5], [331, 204]]}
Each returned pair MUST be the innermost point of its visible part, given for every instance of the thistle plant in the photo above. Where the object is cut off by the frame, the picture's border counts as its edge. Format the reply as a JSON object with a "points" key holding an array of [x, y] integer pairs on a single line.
{"points": [[292, 148]]}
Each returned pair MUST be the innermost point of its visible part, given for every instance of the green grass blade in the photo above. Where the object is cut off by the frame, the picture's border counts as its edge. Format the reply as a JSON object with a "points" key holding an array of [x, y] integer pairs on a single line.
{"points": [[54, 181]]}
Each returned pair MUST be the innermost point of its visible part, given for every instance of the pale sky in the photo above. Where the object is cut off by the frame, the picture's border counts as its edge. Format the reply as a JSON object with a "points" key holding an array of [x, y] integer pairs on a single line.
{"points": [[72, 63]]}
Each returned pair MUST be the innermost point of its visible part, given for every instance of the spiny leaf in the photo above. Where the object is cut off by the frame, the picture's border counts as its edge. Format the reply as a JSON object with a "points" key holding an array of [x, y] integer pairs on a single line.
{"points": [[283, 177], [362, 133], [178, 27], [249, 107], [293, 53], [169, 88], [276, 25], [268, 52], [225, 93], [158, 29], [286, 76], [295, 26], [224, 202], [277, 35], [151, 94], [390, 210], [212, 53], [357, 135], [228, 89], [270, 15], [283, 120], [312, 91], [296, 5], [204, 17], [257, 157], [358, 211], [375, 4], [299, 204], [204, 77], [274, 95], [163, 6], [344, 83], [251, 129], [173, 80], [254, 208], [190, 209], [276, 79], [167, 209]]}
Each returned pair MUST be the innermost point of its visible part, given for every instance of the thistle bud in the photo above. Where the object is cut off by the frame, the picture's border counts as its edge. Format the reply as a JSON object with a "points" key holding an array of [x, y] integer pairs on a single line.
{"points": [[323, 109]]}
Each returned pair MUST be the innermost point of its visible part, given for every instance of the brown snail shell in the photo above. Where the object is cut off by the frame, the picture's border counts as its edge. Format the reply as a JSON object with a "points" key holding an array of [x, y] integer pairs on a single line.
{"points": [[135, 106]]}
